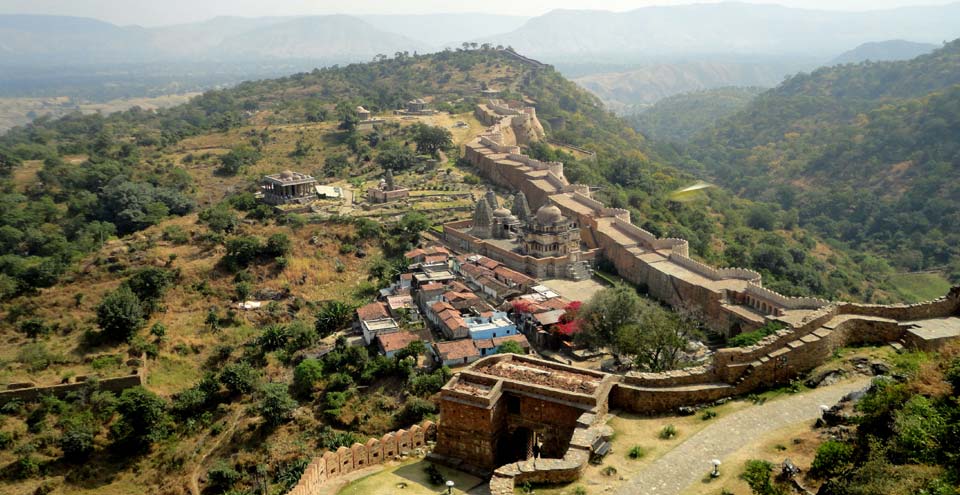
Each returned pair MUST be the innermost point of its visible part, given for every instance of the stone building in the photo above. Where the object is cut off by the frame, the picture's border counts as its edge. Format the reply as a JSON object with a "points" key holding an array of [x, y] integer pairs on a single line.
{"points": [[550, 234], [289, 187], [387, 190], [363, 114], [506, 408], [543, 245]]}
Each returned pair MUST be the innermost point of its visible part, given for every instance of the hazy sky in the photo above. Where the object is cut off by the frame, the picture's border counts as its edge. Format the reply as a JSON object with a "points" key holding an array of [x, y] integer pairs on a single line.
{"points": [[160, 12]]}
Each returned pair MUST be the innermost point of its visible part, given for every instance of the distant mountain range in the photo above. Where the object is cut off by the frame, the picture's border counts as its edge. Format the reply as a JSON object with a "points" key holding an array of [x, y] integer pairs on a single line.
{"points": [[884, 51], [723, 28], [630, 59]]}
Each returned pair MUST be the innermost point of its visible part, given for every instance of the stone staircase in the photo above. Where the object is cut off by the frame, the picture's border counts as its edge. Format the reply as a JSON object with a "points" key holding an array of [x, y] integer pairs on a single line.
{"points": [[578, 271]]}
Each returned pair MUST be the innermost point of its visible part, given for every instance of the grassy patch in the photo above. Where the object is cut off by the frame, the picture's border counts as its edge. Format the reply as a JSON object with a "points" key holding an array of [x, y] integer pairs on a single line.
{"points": [[916, 287]]}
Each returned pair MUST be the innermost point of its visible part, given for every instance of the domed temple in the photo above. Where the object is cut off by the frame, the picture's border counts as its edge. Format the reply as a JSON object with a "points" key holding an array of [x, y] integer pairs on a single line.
{"points": [[545, 244], [289, 187]]}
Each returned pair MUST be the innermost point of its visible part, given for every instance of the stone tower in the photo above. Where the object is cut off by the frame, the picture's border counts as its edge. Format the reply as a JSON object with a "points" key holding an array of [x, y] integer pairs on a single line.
{"points": [[389, 180], [521, 209], [491, 198], [482, 220]]}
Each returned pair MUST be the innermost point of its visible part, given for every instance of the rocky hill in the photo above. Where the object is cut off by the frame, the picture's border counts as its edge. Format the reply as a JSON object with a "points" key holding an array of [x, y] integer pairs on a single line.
{"points": [[680, 117]]}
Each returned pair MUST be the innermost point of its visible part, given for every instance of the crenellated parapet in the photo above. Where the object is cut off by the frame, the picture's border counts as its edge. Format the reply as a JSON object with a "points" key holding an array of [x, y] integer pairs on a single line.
{"points": [[755, 291], [337, 463], [677, 256]]}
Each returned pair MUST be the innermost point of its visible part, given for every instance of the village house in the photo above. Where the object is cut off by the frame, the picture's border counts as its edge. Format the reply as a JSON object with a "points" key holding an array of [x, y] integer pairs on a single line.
{"points": [[374, 319], [389, 344], [456, 352]]}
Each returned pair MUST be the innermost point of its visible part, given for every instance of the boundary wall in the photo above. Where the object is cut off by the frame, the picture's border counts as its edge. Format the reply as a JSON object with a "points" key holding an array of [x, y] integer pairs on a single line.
{"points": [[345, 460]]}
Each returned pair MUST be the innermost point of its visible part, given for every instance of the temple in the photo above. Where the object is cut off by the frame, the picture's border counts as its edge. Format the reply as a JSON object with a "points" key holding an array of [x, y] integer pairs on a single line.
{"points": [[289, 187]]}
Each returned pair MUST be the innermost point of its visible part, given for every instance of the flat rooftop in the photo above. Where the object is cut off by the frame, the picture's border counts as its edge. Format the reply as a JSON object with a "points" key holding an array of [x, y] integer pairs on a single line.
{"points": [[532, 373], [934, 328]]}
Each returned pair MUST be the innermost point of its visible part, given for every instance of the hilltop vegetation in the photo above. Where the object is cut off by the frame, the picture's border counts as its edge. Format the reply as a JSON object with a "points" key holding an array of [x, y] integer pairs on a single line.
{"points": [[680, 117], [865, 154]]}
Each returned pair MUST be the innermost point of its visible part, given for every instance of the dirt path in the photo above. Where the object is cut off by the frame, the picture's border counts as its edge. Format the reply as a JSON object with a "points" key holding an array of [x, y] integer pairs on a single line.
{"points": [[225, 434], [689, 462]]}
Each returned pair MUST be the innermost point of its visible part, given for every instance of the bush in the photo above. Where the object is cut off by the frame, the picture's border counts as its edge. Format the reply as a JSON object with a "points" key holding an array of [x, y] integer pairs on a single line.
{"points": [[143, 417], [413, 411], [222, 476], [831, 459], [667, 432], [120, 314], [708, 414], [757, 475], [276, 406], [77, 439], [305, 377], [277, 245], [748, 339], [239, 378], [636, 452]]}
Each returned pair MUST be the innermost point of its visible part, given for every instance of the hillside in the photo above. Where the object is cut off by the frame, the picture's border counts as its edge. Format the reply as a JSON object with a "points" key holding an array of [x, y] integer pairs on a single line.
{"points": [[637, 89], [866, 154], [884, 51], [680, 117], [129, 240]]}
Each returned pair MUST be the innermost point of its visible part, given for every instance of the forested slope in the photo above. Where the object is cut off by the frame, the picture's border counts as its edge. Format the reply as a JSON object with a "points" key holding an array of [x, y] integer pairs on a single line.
{"points": [[865, 154]]}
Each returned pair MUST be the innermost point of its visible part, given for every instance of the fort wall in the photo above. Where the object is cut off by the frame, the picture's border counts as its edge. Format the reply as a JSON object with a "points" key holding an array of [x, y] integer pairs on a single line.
{"points": [[334, 464]]}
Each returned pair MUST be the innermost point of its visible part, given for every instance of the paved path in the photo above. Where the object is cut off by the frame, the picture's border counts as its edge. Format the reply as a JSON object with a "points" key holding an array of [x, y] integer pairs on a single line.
{"points": [[690, 461]]}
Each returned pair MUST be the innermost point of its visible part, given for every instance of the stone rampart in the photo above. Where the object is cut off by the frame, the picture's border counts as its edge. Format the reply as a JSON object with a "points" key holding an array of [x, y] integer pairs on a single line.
{"points": [[33, 393], [784, 302], [714, 273], [332, 465]]}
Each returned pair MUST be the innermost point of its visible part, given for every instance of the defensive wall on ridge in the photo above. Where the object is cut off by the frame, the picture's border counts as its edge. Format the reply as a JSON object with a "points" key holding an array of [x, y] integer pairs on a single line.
{"points": [[728, 299]]}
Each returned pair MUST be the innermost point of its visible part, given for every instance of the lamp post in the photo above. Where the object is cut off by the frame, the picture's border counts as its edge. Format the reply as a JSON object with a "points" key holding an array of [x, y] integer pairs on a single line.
{"points": [[449, 487], [716, 468]]}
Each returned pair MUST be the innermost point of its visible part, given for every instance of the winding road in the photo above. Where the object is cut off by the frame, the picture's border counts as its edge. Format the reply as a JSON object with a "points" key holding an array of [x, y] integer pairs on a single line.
{"points": [[690, 461]]}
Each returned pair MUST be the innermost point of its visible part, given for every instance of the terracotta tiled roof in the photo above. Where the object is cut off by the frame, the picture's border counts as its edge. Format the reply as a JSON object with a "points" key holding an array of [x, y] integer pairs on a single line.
{"points": [[457, 349], [504, 273], [484, 343], [519, 338], [488, 263], [413, 254], [372, 311], [432, 286], [395, 341], [458, 286], [441, 306]]}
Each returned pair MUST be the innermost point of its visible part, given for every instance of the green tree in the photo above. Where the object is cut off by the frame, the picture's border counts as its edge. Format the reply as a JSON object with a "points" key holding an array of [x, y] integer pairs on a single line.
{"points": [[239, 378], [143, 418], [277, 245], [276, 406], [219, 218], [120, 314], [237, 159], [605, 314], [242, 250], [77, 438], [432, 139], [657, 340], [332, 317], [305, 377], [510, 347], [395, 156]]}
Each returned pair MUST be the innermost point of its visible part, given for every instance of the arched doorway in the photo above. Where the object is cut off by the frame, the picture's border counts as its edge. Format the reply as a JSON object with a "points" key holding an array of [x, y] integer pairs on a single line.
{"points": [[515, 445]]}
